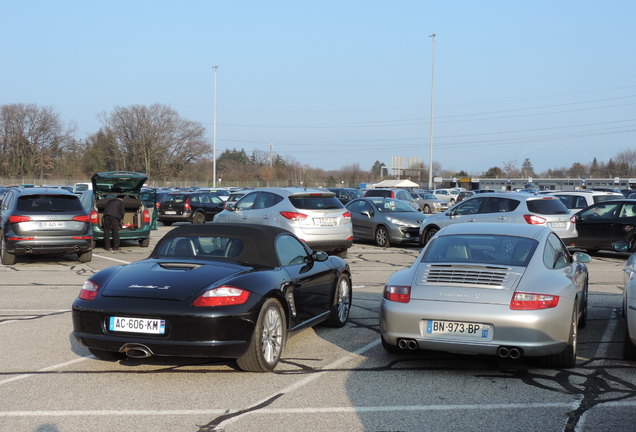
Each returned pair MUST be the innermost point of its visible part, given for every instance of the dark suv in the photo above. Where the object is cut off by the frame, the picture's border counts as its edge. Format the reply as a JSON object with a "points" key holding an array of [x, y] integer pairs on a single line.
{"points": [[194, 207], [43, 221]]}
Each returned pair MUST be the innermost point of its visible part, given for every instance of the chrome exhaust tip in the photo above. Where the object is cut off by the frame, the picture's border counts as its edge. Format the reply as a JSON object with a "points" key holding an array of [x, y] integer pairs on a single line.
{"points": [[136, 350], [503, 352], [402, 344], [514, 353]]}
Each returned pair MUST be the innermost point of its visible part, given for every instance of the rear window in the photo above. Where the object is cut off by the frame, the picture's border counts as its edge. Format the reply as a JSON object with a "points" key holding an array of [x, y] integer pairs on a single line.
{"points": [[176, 198], [49, 203], [601, 198], [379, 193], [315, 202], [547, 206]]}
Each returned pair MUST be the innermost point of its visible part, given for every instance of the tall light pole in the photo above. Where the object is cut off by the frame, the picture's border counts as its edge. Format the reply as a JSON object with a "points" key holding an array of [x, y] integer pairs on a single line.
{"points": [[214, 132], [430, 131]]}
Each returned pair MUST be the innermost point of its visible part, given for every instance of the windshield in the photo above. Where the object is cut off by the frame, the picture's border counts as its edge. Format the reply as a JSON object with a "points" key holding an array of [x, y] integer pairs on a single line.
{"points": [[389, 205], [427, 195], [481, 249]]}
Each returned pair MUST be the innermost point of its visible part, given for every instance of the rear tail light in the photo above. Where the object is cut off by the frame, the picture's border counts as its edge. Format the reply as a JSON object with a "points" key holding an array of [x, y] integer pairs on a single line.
{"points": [[89, 290], [83, 218], [397, 293], [94, 218], [157, 204], [186, 205], [392, 194], [146, 216], [222, 296], [82, 237], [347, 215], [530, 301], [293, 216], [573, 219], [534, 219], [17, 219]]}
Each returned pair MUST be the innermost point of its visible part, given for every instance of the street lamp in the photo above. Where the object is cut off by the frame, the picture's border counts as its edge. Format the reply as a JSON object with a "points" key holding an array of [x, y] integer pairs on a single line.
{"points": [[430, 133], [214, 132]]}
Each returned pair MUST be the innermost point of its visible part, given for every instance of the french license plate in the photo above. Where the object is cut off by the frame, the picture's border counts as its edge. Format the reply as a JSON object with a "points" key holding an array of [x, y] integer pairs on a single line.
{"points": [[48, 225], [557, 224], [137, 325], [171, 212], [459, 329], [325, 221]]}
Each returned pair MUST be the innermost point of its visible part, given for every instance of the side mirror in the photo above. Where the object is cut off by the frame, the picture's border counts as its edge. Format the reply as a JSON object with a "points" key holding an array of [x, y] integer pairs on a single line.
{"points": [[581, 257], [621, 246], [319, 256], [230, 206]]}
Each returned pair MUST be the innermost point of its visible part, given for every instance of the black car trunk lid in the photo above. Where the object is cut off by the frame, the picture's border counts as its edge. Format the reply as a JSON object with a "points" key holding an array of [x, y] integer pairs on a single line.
{"points": [[167, 279]]}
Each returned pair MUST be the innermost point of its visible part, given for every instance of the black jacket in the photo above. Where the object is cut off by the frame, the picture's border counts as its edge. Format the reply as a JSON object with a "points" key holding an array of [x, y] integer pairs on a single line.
{"points": [[115, 208]]}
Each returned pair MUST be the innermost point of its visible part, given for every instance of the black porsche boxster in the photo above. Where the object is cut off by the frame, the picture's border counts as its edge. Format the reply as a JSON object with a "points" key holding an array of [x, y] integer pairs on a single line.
{"points": [[213, 290]]}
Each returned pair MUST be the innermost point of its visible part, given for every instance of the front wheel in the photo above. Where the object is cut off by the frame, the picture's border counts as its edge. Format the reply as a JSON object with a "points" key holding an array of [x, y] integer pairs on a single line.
{"points": [[342, 304], [5, 257], [166, 223], [382, 236], [268, 339], [145, 242], [428, 235]]}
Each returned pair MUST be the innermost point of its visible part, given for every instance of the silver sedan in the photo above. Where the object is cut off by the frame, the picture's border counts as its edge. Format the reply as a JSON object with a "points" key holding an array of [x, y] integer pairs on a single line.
{"points": [[510, 290], [629, 300], [385, 220]]}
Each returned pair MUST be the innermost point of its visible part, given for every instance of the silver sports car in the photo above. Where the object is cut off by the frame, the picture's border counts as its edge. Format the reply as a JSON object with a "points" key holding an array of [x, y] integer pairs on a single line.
{"points": [[510, 290], [629, 300]]}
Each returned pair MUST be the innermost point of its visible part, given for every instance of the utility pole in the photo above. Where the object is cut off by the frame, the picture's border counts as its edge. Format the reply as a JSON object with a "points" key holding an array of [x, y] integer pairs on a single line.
{"points": [[214, 132], [271, 161], [430, 133]]}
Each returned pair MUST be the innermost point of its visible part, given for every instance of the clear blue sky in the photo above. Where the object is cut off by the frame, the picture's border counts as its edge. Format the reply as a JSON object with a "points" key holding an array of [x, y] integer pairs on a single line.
{"points": [[333, 83]]}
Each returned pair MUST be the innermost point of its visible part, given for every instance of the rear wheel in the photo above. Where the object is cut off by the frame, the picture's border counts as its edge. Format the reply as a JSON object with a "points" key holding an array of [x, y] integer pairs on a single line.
{"points": [[107, 355], [566, 358], [340, 310], [629, 349], [583, 319], [85, 256], [5, 257], [198, 218], [382, 236], [145, 242], [268, 339]]}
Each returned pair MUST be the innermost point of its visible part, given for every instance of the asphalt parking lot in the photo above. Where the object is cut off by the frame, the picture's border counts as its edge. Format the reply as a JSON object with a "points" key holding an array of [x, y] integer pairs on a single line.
{"points": [[328, 380]]}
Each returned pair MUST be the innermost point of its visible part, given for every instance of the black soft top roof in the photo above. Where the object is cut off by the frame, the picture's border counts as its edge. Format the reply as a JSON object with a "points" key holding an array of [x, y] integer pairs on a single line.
{"points": [[258, 240]]}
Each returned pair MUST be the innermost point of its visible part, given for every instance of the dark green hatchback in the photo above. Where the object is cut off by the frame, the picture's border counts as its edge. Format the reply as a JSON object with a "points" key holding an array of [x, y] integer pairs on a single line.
{"points": [[127, 186]]}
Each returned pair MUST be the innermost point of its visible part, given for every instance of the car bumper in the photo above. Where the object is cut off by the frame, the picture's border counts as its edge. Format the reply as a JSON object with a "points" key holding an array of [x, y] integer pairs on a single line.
{"points": [[404, 234], [206, 334], [49, 246], [536, 333], [329, 245], [185, 217], [124, 233]]}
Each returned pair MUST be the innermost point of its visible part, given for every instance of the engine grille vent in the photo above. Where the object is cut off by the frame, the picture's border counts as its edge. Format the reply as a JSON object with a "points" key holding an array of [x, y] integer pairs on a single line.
{"points": [[468, 275]]}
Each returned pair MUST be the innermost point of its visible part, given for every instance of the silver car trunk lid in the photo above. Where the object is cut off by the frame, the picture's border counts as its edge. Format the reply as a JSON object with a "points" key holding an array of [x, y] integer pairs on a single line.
{"points": [[468, 283]]}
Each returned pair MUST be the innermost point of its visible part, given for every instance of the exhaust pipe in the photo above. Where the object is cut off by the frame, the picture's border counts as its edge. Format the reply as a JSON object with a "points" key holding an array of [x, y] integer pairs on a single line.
{"points": [[76, 248], [509, 352], [28, 250], [502, 352], [136, 350], [514, 353], [410, 344]]}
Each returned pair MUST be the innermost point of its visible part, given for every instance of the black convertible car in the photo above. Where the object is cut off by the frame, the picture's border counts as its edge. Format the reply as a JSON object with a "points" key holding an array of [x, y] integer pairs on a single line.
{"points": [[213, 290]]}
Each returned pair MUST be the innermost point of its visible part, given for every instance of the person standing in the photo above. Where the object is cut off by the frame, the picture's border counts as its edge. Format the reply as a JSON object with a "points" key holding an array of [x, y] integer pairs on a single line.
{"points": [[111, 221]]}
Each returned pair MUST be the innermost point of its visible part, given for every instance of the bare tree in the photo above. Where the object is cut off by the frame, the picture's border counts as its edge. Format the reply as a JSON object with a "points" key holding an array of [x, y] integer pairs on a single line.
{"points": [[32, 140], [154, 139]]}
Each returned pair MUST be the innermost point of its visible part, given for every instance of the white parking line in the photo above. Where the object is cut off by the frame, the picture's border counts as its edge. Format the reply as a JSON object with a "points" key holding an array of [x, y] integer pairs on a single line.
{"points": [[112, 259], [46, 369], [311, 410], [604, 344]]}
